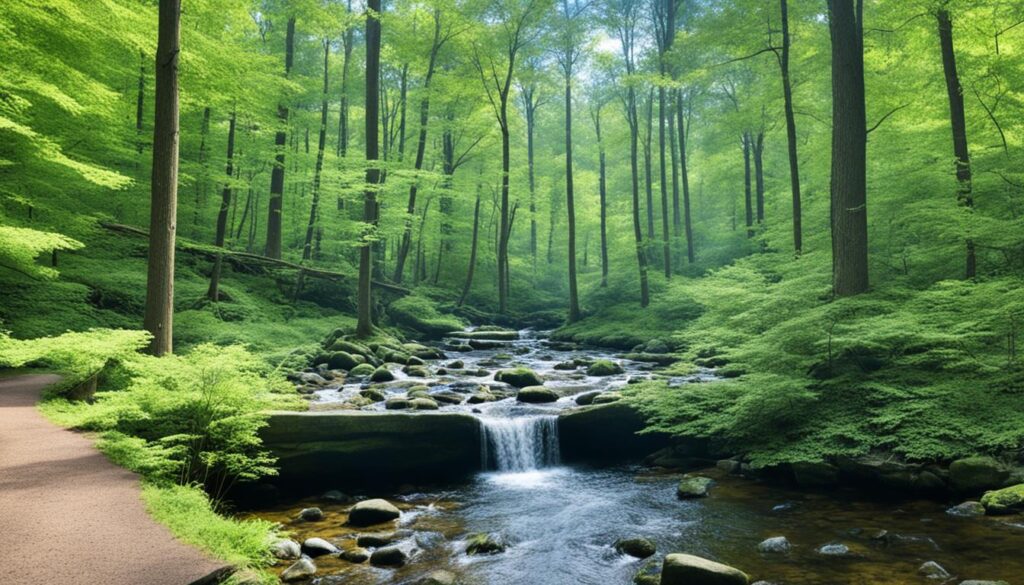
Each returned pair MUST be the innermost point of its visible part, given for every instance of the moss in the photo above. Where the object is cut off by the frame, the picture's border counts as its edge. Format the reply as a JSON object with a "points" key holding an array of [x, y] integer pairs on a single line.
{"points": [[382, 374], [421, 315], [604, 368], [519, 377], [362, 370], [1004, 501]]}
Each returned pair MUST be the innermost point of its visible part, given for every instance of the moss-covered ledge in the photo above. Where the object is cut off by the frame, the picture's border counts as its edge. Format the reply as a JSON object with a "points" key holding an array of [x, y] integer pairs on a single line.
{"points": [[605, 433], [320, 450]]}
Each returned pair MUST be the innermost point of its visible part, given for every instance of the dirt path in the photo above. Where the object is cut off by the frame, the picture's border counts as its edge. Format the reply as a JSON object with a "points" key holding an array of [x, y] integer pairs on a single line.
{"points": [[69, 516]]}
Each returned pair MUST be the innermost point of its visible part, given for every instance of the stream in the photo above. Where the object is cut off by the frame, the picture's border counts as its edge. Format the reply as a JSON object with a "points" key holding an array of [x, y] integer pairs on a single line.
{"points": [[560, 522]]}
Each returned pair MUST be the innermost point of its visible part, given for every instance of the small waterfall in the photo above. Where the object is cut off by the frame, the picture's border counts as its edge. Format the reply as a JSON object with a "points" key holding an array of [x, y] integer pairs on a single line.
{"points": [[519, 443]]}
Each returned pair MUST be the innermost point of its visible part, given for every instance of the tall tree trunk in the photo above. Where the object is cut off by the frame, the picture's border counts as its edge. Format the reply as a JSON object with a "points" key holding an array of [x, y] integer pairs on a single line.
{"points": [[346, 40], [364, 325], [472, 249], [140, 104], [648, 173], [531, 110], [758, 143], [602, 186], [570, 205], [677, 213], [684, 172], [275, 205], [421, 146], [200, 183], [666, 251], [641, 256], [403, 94], [503, 224], [958, 122], [849, 150], [159, 313], [747, 187], [307, 248], [213, 293], [794, 161]]}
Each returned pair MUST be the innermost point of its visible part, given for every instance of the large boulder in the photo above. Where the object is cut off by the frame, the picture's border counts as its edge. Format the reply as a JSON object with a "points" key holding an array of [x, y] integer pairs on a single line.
{"points": [[1004, 501], [319, 450], [606, 432], [302, 569], [536, 395], [370, 512], [362, 371], [382, 374], [342, 360], [519, 377], [683, 569], [694, 486], [977, 474], [604, 368]]}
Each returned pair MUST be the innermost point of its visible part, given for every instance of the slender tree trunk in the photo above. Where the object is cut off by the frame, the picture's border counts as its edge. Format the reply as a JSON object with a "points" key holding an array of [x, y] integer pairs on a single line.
{"points": [[159, 313], [531, 106], [140, 104], [648, 172], [364, 326], [503, 227], [759, 175], [602, 185], [200, 183], [747, 187], [677, 213], [275, 206], [849, 150], [472, 250], [794, 161], [684, 172], [958, 122], [570, 205], [666, 251], [346, 40], [307, 248], [641, 256], [213, 293]]}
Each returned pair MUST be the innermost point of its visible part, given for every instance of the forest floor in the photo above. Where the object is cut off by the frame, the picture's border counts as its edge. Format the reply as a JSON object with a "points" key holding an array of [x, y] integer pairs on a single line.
{"points": [[57, 492]]}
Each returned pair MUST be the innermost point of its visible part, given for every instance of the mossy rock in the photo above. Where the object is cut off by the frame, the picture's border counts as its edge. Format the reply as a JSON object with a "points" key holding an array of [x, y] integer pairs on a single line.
{"points": [[423, 404], [1004, 501], [639, 547], [606, 398], [398, 404], [977, 474], [415, 361], [373, 394], [519, 377], [362, 370], [351, 347], [494, 335], [416, 371], [604, 368], [457, 365], [382, 374], [484, 544], [342, 360], [695, 486], [536, 395]]}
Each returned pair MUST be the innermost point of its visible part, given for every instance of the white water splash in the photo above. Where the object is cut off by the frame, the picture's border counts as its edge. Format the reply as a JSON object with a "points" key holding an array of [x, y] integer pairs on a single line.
{"points": [[519, 443]]}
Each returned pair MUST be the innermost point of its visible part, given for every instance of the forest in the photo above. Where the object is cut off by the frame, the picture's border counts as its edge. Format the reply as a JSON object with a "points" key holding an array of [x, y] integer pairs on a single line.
{"points": [[518, 291]]}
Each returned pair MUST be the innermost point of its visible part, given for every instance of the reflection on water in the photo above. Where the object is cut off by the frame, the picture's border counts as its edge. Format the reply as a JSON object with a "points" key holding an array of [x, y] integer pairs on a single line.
{"points": [[562, 522]]}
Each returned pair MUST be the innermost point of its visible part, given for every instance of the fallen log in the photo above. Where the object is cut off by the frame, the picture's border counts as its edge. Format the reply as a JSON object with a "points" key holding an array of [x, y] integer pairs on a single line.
{"points": [[245, 257]]}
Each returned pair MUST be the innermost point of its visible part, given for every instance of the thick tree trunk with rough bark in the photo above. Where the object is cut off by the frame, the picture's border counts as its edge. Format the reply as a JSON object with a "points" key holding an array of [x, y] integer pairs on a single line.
{"points": [[958, 122], [275, 207], [159, 313], [849, 150], [364, 309]]}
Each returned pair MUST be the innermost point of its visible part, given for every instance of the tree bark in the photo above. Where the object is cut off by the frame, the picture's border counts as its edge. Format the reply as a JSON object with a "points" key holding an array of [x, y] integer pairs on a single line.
{"points": [[849, 150], [759, 175], [794, 161], [222, 217], [666, 251], [275, 206], [159, 313], [364, 325], [140, 104], [530, 103], [602, 185], [570, 204], [472, 250], [307, 247], [958, 122], [648, 173], [747, 187], [346, 40], [641, 256], [684, 172]]}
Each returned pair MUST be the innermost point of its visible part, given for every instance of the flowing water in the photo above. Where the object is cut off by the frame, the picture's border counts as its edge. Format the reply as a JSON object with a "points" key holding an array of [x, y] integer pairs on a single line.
{"points": [[560, 522]]}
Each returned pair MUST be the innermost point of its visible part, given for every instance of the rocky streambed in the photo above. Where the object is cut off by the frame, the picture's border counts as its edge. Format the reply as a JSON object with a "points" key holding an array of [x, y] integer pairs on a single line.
{"points": [[499, 489]]}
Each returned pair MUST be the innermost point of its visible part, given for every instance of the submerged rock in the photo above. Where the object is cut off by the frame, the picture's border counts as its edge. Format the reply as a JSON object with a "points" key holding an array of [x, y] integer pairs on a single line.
{"points": [[1004, 501], [482, 543], [977, 582], [336, 496], [356, 555], [375, 539], [775, 545], [370, 512], [695, 486], [604, 368], [439, 577], [967, 509], [638, 547], [311, 514], [519, 377], [388, 557], [933, 570], [834, 549], [302, 569], [683, 569], [649, 574], [318, 547], [977, 474], [536, 394]]}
